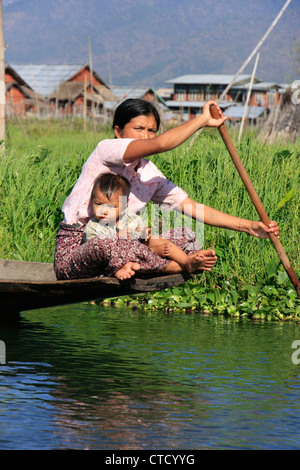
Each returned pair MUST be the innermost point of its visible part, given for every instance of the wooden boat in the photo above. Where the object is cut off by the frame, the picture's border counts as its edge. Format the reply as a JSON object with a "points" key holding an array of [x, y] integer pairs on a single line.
{"points": [[28, 285]]}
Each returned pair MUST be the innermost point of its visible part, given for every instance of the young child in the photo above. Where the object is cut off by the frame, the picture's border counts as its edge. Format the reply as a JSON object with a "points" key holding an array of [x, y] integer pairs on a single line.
{"points": [[112, 219]]}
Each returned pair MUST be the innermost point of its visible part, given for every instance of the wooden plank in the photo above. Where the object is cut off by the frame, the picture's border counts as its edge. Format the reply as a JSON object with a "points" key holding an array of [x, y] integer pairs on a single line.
{"points": [[26, 270], [26, 286]]}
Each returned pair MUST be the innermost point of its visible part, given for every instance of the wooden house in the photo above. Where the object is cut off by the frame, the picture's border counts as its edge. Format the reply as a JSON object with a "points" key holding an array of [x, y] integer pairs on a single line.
{"points": [[123, 93], [266, 94], [20, 97], [191, 92], [70, 96], [144, 93], [65, 86]]}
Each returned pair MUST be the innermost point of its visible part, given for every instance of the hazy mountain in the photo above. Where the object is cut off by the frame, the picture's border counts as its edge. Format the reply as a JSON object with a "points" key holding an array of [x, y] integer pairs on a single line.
{"points": [[150, 41]]}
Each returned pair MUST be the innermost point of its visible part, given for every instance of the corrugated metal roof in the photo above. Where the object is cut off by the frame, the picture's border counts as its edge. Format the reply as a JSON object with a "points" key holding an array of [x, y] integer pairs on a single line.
{"points": [[135, 92], [196, 104], [207, 79], [111, 105], [264, 86], [253, 112], [45, 78], [122, 92], [185, 104]]}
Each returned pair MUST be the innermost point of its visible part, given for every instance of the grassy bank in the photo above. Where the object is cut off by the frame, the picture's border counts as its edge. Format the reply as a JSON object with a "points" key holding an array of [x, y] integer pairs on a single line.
{"points": [[44, 159]]}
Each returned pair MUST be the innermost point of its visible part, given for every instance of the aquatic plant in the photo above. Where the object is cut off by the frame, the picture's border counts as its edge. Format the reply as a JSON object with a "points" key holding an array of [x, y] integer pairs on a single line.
{"points": [[274, 300]]}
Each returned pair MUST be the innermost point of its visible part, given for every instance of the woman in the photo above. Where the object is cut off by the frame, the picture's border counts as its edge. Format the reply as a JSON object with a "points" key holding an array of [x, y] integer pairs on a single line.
{"points": [[136, 123]]}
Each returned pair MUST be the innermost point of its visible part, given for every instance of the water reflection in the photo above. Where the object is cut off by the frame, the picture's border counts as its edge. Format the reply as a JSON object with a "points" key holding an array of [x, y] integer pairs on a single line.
{"points": [[90, 378]]}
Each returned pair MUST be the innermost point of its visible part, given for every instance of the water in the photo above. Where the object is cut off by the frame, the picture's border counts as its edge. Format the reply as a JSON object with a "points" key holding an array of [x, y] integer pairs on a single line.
{"points": [[87, 377]]}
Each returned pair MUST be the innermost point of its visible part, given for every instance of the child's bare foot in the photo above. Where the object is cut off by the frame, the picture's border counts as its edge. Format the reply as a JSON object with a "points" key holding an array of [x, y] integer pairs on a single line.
{"points": [[203, 260], [127, 271]]}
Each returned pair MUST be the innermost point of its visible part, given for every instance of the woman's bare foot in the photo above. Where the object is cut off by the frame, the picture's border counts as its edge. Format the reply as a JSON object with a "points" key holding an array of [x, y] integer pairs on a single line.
{"points": [[162, 249], [127, 271], [202, 260], [166, 249]]}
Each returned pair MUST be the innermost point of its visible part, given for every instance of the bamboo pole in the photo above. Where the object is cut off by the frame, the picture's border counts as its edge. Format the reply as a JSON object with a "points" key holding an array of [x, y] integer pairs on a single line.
{"points": [[91, 73], [2, 83], [255, 50], [35, 92], [248, 97], [255, 199]]}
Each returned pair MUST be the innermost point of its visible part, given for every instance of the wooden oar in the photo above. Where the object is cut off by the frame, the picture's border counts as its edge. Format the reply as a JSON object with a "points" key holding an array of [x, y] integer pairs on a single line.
{"points": [[255, 199]]}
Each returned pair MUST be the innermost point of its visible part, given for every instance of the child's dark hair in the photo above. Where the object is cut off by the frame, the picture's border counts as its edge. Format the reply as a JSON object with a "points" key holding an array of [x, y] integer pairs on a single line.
{"points": [[131, 108], [109, 183]]}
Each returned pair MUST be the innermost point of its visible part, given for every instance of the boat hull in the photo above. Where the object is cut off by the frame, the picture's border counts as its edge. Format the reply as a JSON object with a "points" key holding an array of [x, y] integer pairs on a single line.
{"points": [[27, 286]]}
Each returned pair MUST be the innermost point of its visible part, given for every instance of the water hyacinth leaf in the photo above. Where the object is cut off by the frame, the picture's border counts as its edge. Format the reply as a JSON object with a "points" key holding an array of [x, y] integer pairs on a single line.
{"points": [[211, 297], [176, 291], [282, 277], [286, 198], [201, 298], [185, 305], [234, 296], [270, 290], [252, 291], [187, 290], [292, 294], [272, 267]]}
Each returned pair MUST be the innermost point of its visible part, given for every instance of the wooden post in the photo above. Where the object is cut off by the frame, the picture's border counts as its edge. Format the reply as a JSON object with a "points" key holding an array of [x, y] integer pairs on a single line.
{"points": [[91, 73], [84, 103], [2, 83]]}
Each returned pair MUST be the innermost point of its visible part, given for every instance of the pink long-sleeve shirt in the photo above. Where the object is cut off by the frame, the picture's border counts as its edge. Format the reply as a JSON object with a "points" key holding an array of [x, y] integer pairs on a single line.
{"points": [[147, 182]]}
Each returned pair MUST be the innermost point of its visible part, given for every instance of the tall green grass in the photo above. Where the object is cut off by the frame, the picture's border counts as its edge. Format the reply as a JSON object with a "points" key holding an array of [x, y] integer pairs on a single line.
{"points": [[43, 161]]}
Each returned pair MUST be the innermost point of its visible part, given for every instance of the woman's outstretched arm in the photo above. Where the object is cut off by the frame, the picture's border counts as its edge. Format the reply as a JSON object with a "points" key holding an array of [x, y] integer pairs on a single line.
{"points": [[210, 216], [172, 138]]}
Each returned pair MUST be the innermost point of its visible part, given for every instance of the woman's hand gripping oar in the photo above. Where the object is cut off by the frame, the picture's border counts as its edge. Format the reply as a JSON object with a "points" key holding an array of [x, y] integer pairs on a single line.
{"points": [[255, 199]]}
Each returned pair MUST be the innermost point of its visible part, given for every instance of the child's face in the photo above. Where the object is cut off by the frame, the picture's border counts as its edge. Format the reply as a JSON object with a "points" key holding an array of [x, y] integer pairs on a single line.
{"points": [[108, 211]]}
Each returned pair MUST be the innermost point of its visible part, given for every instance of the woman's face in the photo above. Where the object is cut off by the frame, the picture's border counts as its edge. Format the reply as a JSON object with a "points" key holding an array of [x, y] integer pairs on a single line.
{"points": [[140, 127]]}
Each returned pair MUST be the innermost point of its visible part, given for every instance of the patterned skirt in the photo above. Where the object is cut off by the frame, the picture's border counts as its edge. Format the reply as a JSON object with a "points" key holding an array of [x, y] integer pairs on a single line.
{"points": [[104, 257]]}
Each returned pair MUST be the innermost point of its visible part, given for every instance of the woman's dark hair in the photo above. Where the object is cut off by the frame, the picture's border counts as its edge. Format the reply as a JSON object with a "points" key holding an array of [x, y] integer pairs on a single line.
{"points": [[132, 108], [109, 183]]}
